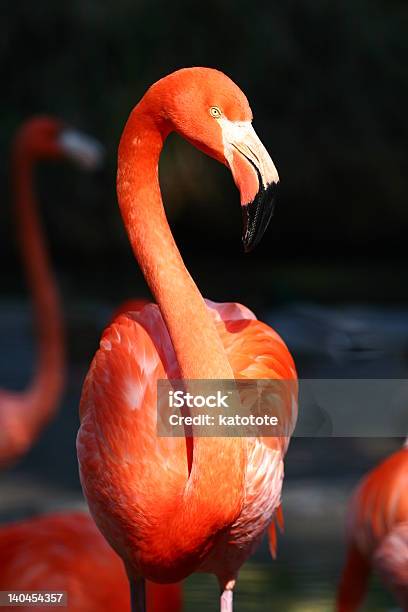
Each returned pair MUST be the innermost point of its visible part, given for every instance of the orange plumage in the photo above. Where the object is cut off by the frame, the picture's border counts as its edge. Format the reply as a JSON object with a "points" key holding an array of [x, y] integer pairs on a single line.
{"points": [[65, 552], [136, 352], [378, 534]]}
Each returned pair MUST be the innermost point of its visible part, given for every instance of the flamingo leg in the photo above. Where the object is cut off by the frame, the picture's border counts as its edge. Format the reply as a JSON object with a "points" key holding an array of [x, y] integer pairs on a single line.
{"points": [[226, 601], [137, 594]]}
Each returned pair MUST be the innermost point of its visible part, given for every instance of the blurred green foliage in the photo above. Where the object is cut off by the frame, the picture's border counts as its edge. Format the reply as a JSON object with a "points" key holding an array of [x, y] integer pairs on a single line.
{"points": [[327, 81]]}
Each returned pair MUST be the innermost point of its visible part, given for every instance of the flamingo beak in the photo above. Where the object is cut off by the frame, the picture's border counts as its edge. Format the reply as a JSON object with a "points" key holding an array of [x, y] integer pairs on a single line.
{"points": [[255, 176], [81, 148]]}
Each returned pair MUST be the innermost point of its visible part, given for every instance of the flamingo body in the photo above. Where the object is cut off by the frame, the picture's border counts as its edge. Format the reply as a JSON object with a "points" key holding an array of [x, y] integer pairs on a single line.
{"points": [[66, 552], [378, 534], [124, 465]]}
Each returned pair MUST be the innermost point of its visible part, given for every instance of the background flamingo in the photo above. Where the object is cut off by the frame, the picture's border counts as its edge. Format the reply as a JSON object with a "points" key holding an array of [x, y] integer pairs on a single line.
{"points": [[173, 506], [23, 414], [66, 552], [378, 534]]}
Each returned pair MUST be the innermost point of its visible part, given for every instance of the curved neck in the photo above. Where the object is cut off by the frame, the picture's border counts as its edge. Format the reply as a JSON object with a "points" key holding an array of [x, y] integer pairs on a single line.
{"points": [[198, 348], [47, 381], [197, 345]]}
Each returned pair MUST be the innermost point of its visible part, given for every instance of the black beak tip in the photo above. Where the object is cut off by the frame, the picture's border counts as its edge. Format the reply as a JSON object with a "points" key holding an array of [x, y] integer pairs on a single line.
{"points": [[256, 216]]}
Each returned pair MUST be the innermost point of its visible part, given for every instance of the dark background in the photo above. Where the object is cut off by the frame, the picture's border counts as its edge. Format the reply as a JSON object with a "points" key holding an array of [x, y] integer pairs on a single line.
{"points": [[327, 82], [328, 86]]}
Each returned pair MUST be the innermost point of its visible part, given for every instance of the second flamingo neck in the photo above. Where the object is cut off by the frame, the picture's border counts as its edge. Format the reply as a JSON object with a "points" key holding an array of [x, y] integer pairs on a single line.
{"points": [[197, 345], [48, 379]]}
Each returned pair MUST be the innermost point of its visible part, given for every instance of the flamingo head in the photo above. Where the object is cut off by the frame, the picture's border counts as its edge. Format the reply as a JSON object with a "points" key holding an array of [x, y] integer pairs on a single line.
{"points": [[49, 138], [209, 110]]}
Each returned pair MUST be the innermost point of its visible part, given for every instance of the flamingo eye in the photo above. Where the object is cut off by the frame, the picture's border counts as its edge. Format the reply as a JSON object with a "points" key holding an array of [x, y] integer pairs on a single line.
{"points": [[215, 112]]}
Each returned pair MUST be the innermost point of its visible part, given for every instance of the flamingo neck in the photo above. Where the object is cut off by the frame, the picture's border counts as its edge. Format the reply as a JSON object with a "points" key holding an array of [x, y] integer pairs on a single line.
{"points": [[197, 345], [47, 382], [213, 494]]}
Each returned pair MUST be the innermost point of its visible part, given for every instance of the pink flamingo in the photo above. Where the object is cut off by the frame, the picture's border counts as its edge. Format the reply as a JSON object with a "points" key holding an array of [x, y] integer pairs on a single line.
{"points": [[66, 552], [378, 534], [173, 506], [24, 414]]}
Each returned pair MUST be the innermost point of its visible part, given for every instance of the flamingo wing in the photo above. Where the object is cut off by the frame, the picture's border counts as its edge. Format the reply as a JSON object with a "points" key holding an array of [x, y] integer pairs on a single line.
{"points": [[255, 352], [127, 464]]}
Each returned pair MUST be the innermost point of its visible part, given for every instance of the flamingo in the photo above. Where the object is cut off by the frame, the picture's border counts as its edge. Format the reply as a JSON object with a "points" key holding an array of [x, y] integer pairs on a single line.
{"points": [[130, 305], [24, 414], [174, 506], [378, 534], [66, 552]]}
